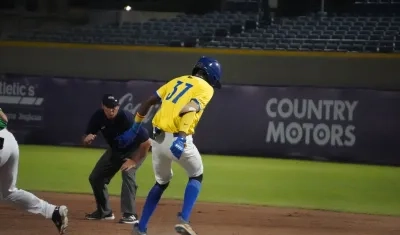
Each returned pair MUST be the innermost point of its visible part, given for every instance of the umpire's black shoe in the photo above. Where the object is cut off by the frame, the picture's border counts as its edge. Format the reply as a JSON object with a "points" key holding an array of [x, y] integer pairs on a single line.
{"points": [[129, 219], [60, 218], [98, 216]]}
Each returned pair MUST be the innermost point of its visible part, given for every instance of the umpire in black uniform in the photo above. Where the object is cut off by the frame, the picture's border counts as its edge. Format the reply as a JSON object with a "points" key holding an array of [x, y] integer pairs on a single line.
{"points": [[111, 122]]}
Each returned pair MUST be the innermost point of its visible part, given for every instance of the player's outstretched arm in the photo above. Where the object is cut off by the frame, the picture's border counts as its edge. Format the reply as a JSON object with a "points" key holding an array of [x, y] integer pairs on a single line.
{"points": [[129, 135], [3, 116], [152, 100], [146, 105]]}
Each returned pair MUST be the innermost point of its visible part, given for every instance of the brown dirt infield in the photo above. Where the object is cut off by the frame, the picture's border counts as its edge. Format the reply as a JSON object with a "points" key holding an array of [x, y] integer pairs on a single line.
{"points": [[209, 219]]}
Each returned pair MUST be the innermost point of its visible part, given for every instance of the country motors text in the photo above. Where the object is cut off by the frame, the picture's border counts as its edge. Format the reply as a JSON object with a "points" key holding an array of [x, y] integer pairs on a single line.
{"points": [[308, 121]]}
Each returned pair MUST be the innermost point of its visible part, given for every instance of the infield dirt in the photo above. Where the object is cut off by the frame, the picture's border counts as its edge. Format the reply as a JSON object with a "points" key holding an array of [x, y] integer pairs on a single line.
{"points": [[208, 219]]}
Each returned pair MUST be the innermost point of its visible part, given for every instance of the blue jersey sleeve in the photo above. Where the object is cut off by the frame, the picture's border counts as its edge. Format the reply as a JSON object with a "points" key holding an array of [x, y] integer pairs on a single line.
{"points": [[142, 136]]}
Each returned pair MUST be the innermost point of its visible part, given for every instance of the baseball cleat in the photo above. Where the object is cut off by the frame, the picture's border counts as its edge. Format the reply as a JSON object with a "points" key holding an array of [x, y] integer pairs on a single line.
{"points": [[128, 219], [136, 230], [183, 227], [60, 218], [97, 216]]}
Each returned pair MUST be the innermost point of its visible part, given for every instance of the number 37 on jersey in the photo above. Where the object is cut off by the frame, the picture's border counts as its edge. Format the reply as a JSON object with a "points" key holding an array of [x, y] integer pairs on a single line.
{"points": [[180, 91]]}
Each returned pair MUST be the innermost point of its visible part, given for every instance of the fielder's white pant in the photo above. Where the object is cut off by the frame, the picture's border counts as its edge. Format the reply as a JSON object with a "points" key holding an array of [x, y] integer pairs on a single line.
{"points": [[162, 158], [9, 160]]}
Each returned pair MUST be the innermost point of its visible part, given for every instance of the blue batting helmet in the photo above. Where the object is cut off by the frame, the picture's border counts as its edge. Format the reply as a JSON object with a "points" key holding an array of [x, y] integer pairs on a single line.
{"points": [[212, 68]]}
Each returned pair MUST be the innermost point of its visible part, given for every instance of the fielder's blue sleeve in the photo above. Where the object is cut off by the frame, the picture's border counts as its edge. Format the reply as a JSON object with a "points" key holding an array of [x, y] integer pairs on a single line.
{"points": [[142, 135]]}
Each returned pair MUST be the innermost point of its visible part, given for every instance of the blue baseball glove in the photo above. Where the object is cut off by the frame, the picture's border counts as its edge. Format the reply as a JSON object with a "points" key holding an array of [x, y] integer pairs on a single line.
{"points": [[178, 146], [127, 138]]}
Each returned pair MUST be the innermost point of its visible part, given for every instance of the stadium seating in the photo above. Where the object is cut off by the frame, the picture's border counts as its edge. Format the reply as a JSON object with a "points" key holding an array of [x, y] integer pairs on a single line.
{"points": [[232, 29], [377, 1], [336, 33]]}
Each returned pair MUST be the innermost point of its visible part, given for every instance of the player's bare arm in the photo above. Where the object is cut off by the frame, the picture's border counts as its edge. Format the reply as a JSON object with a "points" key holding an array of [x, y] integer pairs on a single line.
{"points": [[144, 108], [128, 136], [3, 116], [138, 156]]}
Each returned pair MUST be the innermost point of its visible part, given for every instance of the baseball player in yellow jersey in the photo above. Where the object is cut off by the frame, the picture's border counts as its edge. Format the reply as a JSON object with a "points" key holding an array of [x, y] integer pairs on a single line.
{"points": [[183, 101]]}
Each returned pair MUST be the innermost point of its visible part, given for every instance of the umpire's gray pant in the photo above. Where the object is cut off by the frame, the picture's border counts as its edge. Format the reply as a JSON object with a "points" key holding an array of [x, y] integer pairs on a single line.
{"points": [[107, 166]]}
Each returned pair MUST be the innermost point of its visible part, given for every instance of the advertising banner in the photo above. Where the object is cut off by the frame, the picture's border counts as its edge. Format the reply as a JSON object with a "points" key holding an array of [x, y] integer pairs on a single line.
{"points": [[23, 101], [347, 125]]}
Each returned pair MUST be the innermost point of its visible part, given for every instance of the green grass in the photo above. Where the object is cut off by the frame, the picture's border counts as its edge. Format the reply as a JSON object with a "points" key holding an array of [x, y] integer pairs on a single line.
{"points": [[288, 183]]}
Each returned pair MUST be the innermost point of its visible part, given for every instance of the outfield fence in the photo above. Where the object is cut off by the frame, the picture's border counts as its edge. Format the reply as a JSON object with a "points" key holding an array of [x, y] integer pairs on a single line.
{"points": [[348, 125]]}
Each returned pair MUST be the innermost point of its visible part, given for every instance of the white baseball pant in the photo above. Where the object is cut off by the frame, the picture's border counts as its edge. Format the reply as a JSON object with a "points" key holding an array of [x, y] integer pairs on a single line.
{"points": [[9, 160], [162, 158]]}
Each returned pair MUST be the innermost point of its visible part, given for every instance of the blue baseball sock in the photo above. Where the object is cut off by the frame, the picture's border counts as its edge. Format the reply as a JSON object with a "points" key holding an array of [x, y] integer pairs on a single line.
{"points": [[191, 193], [152, 200]]}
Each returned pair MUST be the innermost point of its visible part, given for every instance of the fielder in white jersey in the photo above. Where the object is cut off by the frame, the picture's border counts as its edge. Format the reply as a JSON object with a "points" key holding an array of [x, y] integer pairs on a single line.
{"points": [[9, 160]]}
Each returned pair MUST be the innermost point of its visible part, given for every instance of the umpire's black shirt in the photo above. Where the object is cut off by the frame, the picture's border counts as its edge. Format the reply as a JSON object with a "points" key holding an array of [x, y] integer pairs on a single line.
{"points": [[111, 128]]}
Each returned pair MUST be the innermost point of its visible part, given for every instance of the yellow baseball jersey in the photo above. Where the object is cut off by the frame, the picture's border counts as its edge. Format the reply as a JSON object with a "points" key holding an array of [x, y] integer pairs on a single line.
{"points": [[175, 95]]}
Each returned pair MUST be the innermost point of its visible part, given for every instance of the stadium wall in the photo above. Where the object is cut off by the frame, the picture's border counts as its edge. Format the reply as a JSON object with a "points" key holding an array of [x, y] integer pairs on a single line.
{"points": [[346, 125], [272, 68], [325, 106]]}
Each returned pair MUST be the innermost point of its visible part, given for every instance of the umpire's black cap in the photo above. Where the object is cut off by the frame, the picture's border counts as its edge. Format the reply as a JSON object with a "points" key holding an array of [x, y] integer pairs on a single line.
{"points": [[110, 101]]}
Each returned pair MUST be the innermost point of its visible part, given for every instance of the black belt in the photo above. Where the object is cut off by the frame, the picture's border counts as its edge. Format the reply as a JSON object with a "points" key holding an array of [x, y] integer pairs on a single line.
{"points": [[157, 132]]}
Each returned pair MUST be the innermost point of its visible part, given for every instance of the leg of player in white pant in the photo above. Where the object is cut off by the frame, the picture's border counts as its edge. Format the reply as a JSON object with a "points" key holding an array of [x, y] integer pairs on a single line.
{"points": [[9, 161]]}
